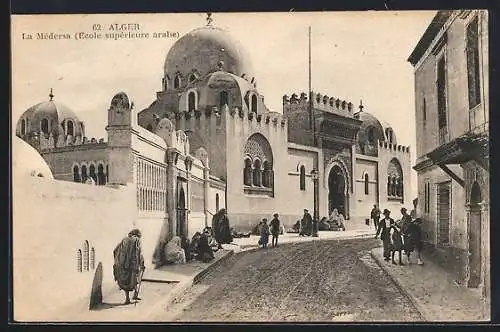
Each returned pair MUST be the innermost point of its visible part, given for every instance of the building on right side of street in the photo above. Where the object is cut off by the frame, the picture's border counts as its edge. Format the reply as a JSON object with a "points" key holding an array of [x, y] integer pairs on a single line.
{"points": [[452, 123]]}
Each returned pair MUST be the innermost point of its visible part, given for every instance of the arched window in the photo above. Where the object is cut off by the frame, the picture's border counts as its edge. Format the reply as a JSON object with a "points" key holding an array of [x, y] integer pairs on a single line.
{"points": [[366, 184], [76, 174], [92, 173], [44, 124], [101, 177], [223, 99], [257, 173], [302, 178], [85, 255], [192, 78], [79, 260], [395, 179], [70, 130], [191, 101], [92, 258], [254, 103], [371, 135], [84, 173], [258, 150], [23, 127], [177, 82], [247, 173], [216, 202]]}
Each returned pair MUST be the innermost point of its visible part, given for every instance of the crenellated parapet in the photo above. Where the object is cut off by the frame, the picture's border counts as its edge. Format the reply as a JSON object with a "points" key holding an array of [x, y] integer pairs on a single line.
{"points": [[394, 148], [320, 102], [236, 113], [50, 142]]}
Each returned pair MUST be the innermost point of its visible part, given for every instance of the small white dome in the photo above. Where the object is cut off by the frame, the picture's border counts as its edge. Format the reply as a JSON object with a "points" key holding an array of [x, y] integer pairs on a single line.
{"points": [[26, 161]]}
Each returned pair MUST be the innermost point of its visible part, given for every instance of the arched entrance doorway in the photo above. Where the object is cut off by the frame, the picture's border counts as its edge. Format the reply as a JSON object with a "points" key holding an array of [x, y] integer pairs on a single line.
{"points": [[180, 229], [337, 191], [475, 237]]}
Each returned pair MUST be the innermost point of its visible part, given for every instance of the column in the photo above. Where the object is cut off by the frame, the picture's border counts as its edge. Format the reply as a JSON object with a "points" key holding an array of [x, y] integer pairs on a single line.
{"points": [[171, 186], [206, 193]]}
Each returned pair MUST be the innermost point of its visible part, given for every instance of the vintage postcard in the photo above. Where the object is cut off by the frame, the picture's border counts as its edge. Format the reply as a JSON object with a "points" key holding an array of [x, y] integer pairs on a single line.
{"points": [[251, 167]]}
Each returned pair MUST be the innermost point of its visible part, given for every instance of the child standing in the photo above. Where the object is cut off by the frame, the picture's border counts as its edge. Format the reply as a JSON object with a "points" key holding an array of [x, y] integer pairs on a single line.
{"points": [[264, 233]]}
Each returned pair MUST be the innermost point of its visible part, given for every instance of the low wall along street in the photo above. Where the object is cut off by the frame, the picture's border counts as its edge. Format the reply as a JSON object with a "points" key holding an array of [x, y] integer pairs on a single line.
{"points": [[62, 231]]}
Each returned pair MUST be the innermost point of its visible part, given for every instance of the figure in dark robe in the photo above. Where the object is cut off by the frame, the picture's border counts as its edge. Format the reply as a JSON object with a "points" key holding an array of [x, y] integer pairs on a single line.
{"points": [[222, 229], [383, 230], [415, 234], [128, 264], [205, 253], [404, 224], [306, 224]]}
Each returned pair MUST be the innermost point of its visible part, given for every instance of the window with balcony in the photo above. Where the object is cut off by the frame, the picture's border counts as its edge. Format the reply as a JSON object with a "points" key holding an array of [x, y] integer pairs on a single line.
{"points": [[441, 95]]}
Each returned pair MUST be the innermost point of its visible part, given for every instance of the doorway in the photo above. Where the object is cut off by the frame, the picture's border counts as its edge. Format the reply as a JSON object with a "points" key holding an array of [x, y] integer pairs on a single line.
{"points": [[180, 229], [336, 191], [475, 237]]}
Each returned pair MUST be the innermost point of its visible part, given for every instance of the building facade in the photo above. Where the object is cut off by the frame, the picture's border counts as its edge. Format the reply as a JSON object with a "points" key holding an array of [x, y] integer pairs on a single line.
{"points": [[452, 124], [209, 141]]}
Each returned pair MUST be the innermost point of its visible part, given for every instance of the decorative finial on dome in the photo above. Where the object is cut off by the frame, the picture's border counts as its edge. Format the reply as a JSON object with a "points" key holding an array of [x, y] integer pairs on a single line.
{"points": [[51, 94], [361, 105], [209, 18]]}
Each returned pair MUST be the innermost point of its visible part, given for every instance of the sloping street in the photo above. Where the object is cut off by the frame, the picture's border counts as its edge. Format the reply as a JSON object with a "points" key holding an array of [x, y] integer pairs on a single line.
{"points": [[314, 281]]}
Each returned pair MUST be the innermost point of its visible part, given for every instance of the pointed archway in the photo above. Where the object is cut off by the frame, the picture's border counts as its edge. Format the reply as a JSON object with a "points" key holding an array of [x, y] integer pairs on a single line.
{"points": [[474, 278], [180, 229], [338, 196]]}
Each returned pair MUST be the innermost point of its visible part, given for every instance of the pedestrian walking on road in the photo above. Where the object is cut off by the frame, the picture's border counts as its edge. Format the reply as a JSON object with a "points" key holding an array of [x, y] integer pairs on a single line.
{"points": [[415, 232], [275, 229], [396, 242], [264, 234], [128, 264], [404, 224], [375, 216], [383, 230]]}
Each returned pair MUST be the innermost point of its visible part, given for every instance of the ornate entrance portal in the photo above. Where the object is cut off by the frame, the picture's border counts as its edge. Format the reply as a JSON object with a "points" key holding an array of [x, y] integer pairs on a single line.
{"points": [[337, 198]]}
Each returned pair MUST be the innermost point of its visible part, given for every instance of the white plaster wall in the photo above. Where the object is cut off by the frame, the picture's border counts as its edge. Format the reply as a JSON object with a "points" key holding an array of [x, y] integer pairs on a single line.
{"points": [[51, 220]]}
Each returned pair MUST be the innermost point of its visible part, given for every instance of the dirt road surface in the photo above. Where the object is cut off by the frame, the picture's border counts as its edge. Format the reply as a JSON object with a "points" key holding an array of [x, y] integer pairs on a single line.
{"points": [[327, 281]]}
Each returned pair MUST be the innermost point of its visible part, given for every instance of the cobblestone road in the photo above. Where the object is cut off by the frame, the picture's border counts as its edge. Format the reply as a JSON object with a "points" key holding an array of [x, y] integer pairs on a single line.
{"points": [[314, 281]]}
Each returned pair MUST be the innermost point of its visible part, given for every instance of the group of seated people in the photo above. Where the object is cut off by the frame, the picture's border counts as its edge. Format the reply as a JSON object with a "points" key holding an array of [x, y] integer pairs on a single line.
{"points": [[182, 250], [335, 222]]}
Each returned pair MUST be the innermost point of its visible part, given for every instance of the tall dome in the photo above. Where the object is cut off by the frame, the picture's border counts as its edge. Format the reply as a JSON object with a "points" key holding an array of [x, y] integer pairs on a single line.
{"points": [[204, 50], [49, 117]]}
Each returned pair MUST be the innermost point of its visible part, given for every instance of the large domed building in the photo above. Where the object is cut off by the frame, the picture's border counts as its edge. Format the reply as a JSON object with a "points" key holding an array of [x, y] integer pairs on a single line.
{"points": [[208, 141], [50, 119]]}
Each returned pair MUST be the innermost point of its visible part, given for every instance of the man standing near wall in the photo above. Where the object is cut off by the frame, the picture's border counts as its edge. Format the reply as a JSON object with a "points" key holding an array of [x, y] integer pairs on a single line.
{"points": [[375, 216], [129, 264]]}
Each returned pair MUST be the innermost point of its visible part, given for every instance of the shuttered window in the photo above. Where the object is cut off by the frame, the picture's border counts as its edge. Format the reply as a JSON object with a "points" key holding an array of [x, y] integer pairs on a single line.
{"points": [[444, 213]]}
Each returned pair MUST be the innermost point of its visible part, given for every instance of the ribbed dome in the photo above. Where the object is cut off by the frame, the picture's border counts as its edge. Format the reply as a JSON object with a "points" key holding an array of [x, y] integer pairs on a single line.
{"points": [[57, 115], [26, 161], [204, 50], [369, 120]]}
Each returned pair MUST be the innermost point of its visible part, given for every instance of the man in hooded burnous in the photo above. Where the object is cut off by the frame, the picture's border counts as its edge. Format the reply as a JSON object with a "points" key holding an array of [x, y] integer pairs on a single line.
{"points": [[129, 264]]}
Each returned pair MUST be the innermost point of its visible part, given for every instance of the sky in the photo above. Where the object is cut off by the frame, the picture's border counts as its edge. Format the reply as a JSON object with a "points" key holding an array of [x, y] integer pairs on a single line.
{"points": [[355, 56]]}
